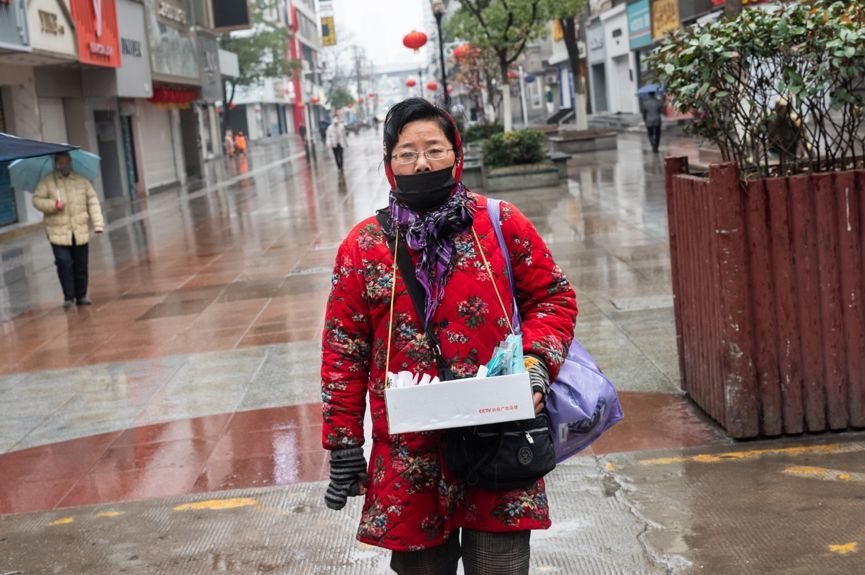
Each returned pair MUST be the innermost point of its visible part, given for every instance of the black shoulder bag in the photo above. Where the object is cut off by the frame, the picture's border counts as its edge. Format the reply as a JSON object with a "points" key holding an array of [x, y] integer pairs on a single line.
{"points": [[510, 455]]}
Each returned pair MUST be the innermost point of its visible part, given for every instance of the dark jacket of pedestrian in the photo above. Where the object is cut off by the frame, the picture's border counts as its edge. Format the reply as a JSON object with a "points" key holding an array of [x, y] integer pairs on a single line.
{"points": [[653, 110]]}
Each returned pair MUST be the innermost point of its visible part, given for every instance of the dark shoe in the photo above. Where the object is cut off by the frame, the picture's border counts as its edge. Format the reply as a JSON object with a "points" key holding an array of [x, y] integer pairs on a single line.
{"points": [[67, 304], [84, 301]]}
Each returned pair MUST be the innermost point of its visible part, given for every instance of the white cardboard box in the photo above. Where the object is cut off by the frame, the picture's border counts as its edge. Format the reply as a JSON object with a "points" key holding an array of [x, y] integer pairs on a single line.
{"points": [[459, 403]]}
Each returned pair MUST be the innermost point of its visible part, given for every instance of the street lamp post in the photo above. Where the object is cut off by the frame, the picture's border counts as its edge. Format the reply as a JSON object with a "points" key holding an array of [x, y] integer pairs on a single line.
{"points": [[438, 9]]}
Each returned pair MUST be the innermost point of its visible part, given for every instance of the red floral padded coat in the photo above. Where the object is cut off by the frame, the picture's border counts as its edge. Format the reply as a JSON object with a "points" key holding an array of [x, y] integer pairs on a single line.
{"points": [[413, 502]]}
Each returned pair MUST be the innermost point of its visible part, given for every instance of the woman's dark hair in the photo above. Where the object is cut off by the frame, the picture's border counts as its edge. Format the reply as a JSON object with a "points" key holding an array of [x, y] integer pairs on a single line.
{"points": [[412, 110]]}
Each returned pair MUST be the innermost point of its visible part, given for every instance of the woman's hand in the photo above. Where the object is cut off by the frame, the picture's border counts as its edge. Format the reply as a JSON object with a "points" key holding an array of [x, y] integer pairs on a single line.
{"points": [[348, 477], [539, 378], [539, 402]]}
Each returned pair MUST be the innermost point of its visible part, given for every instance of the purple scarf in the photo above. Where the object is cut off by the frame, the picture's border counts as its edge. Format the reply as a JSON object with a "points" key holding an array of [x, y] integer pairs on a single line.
{"points": [[432, 234]]}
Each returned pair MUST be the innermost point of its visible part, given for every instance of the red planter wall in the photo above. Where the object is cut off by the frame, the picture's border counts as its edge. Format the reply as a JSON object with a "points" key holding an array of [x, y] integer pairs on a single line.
{"points": [[768, 282]]}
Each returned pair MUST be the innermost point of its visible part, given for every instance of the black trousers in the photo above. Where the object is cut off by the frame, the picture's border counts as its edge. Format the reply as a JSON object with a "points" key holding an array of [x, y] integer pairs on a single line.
{"points": [[71, 262], [337, 155], [482, 553], [654, 136]]}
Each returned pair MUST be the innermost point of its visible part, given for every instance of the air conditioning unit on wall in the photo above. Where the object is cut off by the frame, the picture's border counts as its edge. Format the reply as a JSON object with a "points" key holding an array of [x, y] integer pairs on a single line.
{"points": [[551, 80]]}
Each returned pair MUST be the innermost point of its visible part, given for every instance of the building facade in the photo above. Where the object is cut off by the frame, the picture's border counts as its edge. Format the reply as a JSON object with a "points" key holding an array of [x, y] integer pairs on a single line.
{"points": [[134, 81]]}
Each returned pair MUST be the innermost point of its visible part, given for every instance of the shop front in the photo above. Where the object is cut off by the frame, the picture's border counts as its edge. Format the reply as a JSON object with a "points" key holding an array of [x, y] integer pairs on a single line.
{"points": [[621, 79], [134, 87], [211, 93], [597, 65], [14, 40], [169, 122]]}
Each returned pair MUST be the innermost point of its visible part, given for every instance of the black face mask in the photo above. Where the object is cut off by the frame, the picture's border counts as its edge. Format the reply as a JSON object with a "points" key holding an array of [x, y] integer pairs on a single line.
{"points": [[425, 190]]}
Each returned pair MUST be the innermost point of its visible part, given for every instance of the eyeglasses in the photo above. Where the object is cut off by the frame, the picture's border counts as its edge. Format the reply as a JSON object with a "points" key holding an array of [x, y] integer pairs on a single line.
{"points": [[433, 154]]}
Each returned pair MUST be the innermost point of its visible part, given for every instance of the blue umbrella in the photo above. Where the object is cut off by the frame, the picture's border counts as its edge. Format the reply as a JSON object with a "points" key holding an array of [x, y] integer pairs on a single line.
{"points": [[27, 173], [15, 148], [649, 88]]}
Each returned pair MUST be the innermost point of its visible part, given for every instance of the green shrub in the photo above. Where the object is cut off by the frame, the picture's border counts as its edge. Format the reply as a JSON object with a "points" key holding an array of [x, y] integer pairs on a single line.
{"points": [[480, 132], [517, 147], [787, 82]]}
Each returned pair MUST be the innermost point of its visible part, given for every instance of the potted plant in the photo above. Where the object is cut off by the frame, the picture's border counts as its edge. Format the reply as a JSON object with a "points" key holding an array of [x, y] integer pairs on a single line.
{"points": [[767, 250], [517, 160]]}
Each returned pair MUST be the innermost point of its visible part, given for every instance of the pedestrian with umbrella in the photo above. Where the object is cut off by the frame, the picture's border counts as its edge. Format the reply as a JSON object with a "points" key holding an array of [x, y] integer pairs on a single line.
{"points": [[652, 109], [70, 204]]}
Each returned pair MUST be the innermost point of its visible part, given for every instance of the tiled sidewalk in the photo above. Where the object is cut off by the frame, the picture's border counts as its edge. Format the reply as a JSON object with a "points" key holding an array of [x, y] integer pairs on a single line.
{"points": [[197, 369], [257, 448]]}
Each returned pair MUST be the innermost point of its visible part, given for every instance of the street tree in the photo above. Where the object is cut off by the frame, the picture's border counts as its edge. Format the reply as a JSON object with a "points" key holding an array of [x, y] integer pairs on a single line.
{"points": [[504, 27], [340, 98], [261, 50], [566, 12], [475, 70]]}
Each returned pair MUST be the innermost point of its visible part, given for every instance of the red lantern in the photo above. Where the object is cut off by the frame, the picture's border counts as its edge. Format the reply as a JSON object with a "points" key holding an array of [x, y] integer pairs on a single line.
{"points": [[232, 106], [462, 51], [432, 86], [371, 95], [512, 75], [314, 100], [450, 89], [360, 100], [414, 40], [410, 83]]}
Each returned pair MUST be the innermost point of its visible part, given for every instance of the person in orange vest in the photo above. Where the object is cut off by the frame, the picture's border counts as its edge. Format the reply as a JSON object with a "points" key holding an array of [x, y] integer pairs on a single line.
{"points": [[240, 143]]}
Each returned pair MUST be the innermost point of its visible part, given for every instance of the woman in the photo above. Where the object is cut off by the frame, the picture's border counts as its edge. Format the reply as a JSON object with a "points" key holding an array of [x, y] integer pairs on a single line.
{"points": [[229, 143], [414, 506], [336, 140]]}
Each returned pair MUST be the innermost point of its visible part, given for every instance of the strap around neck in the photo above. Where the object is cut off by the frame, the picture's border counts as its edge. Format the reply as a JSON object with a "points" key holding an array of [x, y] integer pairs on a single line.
{"points": [[418, 297]]}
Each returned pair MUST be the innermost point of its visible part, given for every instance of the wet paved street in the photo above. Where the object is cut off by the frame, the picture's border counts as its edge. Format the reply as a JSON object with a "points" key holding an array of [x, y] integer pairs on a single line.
{"points": [[196, 371]]}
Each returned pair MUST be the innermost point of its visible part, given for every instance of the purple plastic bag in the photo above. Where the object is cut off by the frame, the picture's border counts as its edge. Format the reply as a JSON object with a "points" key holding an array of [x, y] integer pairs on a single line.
{"points": [[582, 403]]}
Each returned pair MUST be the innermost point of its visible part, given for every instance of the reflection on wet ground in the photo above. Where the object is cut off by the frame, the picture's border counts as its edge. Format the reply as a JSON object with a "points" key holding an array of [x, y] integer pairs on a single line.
{"points": [[197, 372], [209, 302]]}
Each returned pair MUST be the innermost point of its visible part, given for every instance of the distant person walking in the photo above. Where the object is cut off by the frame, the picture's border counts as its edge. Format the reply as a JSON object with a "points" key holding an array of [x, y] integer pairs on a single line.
{"points": [[653, 109], [240, 143], [69, 203], [229, 143], [336, 140], [786, 134], [322, 130]]}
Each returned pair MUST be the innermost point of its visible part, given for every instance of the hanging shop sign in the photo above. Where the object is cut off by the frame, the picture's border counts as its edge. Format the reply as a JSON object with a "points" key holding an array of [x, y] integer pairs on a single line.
{"points": [[51, 29], [328, 31], [168, 98], [639, 24], [211, 80], [173, 50], [171, 12], [133, 76], [96, 29], [665, 18], [230, 15]]}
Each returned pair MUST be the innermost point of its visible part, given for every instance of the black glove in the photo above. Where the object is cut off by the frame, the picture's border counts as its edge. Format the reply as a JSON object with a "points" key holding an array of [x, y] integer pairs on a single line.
{"points": [[347, 476], [538, 374]]}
